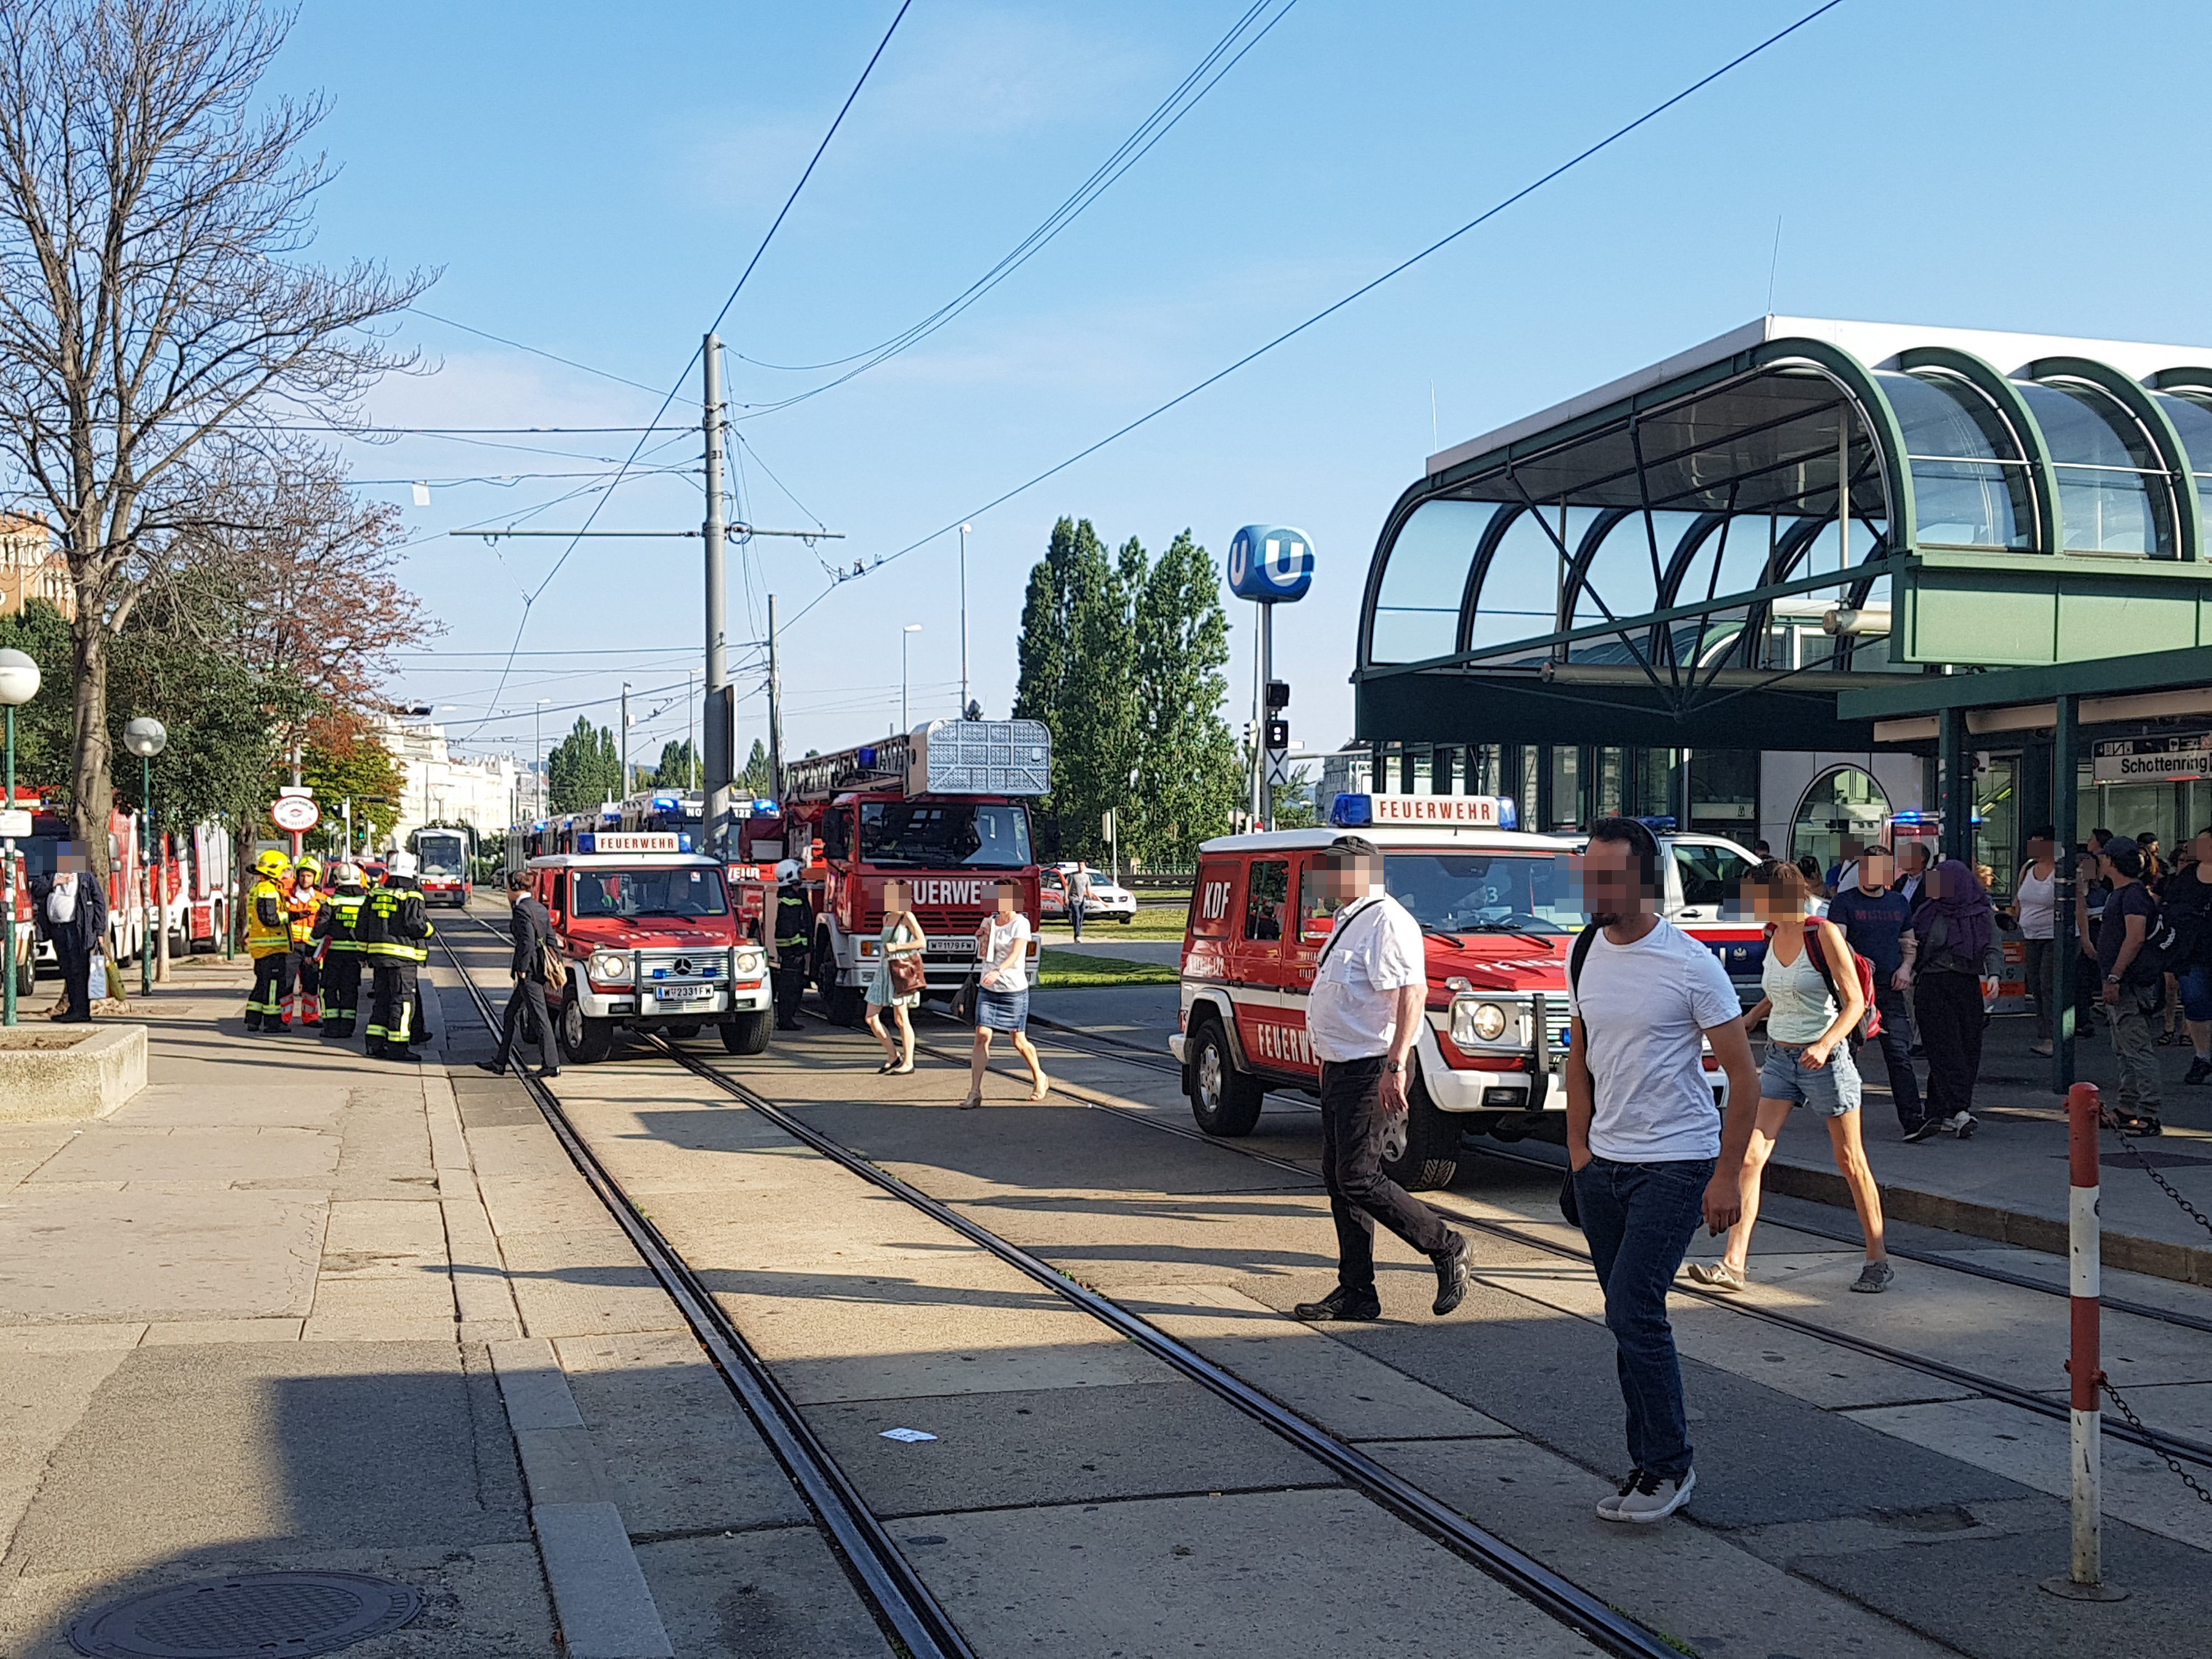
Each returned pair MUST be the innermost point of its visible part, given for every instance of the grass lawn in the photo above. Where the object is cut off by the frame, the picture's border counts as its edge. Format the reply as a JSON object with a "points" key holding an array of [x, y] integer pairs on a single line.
{"points": [[1154, 921], [1065, 970]]}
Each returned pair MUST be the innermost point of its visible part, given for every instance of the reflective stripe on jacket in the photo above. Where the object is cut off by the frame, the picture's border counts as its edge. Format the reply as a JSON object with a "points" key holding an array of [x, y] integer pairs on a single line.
{"points": [[336, 922], [392, 924]]}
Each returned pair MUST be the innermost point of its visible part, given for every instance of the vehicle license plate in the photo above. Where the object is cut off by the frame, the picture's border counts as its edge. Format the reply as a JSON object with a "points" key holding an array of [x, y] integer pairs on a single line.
{"points": [[682, 993], [951, 947]]}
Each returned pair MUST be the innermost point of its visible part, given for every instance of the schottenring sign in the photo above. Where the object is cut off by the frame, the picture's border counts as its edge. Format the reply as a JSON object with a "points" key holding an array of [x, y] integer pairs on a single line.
{"points": [[296, 813]]}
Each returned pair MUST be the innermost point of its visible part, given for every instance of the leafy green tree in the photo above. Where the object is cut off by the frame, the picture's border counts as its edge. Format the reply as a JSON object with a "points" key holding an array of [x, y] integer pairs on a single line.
{"points": [[679, 766], [1189, 776], [1077, 653], [583, 768], [754, 778]]}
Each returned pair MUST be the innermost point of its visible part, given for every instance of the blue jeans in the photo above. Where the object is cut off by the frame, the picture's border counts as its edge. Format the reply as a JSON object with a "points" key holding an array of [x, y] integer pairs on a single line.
{"points": [[1638, 1219]]}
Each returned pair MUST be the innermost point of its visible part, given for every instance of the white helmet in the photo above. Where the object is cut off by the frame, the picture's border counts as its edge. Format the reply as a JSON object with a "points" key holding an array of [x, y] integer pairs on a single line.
{"points": [[402, 864], [789, 871]]}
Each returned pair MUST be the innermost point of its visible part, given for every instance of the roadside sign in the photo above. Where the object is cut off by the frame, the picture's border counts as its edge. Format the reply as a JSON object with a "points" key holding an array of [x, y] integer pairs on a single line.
{"points": [[1272, 563], [15, 826], [1278, 769], [296, 813]]}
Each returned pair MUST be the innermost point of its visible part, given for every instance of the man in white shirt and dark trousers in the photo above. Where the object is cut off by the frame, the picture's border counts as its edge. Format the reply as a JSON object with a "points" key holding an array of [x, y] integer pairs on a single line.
{"points": [[1648, 1156], [1363, 1017]]}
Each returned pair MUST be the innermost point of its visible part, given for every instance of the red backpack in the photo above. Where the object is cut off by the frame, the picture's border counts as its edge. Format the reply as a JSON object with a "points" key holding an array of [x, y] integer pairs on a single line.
{"points": [[1869, 1025]]}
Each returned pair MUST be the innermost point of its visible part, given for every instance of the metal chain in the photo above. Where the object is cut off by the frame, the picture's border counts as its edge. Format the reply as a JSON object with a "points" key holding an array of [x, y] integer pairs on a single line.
{"points": [[2164, 1456], [2164, 1185]]}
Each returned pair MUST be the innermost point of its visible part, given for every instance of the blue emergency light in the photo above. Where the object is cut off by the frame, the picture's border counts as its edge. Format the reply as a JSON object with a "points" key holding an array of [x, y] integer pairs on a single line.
{"points": [[585, 841], [1662, 824]]}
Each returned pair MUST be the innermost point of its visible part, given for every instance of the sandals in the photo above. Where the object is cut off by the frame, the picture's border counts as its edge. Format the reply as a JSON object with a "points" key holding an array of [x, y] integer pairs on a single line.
{"points": [[900, 1070], [971, 1103], [1716, 1276], [1040, 1093]]}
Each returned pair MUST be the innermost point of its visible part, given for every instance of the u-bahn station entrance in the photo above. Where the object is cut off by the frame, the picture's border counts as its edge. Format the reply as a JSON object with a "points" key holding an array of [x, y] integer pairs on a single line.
{"points": [[1813, 579]]}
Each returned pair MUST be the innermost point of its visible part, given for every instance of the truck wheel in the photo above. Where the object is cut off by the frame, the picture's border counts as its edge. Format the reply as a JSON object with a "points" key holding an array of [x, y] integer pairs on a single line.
{"points": [[747, 1033], [1224, 1100], [1431, 1159], [583, 1040]]}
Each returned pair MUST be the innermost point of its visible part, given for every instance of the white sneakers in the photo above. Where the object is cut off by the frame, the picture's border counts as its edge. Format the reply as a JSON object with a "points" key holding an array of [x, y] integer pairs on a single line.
{"points": [[1645, 1497]]}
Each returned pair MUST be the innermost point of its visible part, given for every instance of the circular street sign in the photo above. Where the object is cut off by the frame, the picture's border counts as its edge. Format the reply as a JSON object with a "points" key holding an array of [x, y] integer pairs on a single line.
{"points": [[296, 813]]}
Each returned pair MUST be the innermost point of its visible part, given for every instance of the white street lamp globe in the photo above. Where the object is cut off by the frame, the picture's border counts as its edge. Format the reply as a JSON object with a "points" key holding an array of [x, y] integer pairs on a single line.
{"points": [[145, 738], [19, 678]]}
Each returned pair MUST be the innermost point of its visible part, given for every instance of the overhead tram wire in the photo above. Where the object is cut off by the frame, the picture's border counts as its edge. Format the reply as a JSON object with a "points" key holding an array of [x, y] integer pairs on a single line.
{"points": [[875, 58], [1289, 334], [554, 356], [1131, 149]]}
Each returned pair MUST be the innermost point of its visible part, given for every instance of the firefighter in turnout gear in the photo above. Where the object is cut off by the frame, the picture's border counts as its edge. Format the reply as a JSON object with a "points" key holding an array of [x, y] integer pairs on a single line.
{"points": [[794, 938], [302, 904], [394, 933], [335, 924], [269, 942]]}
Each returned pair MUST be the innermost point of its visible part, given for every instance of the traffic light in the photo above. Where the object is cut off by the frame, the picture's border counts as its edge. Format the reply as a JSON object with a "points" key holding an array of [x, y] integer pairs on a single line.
{"points": [[1279, 694], [1278, 734]]}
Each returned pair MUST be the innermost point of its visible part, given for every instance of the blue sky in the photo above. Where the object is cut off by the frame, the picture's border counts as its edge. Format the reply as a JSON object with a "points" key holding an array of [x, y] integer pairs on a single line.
{"points": [[591, 179]]}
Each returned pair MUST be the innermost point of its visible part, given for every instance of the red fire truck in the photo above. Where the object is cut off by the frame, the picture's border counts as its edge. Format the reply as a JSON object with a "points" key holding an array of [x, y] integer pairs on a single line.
{"points": [[943, 807], [653, 944], [1499, 911]]}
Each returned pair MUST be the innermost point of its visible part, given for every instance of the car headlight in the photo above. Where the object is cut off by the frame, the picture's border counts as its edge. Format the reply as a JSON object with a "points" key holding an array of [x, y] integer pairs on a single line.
{"points": [[605, 965], [1474, 1022], [751, 961]]}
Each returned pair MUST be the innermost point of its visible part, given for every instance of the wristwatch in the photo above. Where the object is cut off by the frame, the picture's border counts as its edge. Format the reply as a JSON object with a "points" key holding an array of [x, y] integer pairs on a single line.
{"points": [[2112, 979], [1393, 1066]]}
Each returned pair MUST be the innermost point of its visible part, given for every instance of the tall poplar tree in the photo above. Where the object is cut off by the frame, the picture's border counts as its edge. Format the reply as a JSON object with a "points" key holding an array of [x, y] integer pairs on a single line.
{"points": [[1189, 779], [583, 768]]}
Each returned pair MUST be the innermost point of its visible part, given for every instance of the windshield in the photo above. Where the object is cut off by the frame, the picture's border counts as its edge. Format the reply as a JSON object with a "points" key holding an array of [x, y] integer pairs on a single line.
{"points": [[650, 893], [1486, 892], [939, 834], [441, 855]]}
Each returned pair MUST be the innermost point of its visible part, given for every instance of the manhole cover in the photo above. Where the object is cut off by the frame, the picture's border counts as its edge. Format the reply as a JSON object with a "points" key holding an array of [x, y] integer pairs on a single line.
{"points": [[247, 1616]]}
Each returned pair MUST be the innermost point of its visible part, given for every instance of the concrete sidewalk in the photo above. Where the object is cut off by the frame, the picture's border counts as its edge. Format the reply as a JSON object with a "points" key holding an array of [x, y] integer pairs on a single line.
{"points": [[2008, 1183], [294, 1310]]}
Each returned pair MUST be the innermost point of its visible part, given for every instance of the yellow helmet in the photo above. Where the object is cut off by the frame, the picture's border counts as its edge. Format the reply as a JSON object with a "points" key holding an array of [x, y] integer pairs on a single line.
{"points": [[309, 864], [271, 862]]}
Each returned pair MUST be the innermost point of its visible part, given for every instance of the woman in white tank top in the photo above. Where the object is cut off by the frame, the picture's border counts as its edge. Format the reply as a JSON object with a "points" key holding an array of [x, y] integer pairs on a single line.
{"points": [[1809, 1021], [2033, 911]]}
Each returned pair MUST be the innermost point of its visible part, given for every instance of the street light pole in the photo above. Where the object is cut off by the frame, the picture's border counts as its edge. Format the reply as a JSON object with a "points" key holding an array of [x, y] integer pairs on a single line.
{"points": [[906, 637], [19, 683], [147, 738]]}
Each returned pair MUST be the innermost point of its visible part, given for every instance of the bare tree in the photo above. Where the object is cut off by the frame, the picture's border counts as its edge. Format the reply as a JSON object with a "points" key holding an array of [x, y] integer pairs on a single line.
{"points": [[154, 298]]}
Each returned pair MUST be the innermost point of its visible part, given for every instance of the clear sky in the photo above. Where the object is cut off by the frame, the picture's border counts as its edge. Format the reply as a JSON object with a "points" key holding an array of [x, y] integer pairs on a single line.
{"points": [[591, 179]]}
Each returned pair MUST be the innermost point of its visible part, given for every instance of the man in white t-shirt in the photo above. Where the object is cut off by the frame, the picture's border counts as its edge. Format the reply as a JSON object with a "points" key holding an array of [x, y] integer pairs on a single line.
{"points": [[1363, 1017], [1646, 1146]]}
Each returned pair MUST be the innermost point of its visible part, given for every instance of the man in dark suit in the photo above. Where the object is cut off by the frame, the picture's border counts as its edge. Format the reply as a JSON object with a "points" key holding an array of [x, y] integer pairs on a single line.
{"points": [[533, 936], [70, 908]]}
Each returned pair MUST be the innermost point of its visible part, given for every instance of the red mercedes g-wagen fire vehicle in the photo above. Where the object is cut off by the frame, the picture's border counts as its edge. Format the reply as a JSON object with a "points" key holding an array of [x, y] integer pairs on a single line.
{"points": [[653, 944], [1499, 911]]}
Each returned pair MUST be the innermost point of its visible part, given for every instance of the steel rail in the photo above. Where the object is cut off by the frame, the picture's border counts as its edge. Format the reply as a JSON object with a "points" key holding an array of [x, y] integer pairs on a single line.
{"points": [[1611, 1631], [903, 1603], [2193, 1451]]}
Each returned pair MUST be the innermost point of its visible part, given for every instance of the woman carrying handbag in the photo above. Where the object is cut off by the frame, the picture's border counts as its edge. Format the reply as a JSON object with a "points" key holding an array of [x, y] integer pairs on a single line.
{"points": [[899, 977]]}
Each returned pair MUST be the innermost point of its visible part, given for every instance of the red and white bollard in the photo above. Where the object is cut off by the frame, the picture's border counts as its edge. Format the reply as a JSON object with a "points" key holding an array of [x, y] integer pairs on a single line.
{"points": [[2085, 1579]]}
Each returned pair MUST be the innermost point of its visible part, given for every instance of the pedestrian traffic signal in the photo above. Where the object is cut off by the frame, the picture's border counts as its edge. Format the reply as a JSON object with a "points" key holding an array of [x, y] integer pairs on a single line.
{"points": [[1278, 734]]}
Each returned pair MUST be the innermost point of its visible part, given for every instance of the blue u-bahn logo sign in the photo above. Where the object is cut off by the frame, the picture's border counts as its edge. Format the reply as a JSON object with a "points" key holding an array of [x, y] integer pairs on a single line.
{"points": [[1272, 563]]}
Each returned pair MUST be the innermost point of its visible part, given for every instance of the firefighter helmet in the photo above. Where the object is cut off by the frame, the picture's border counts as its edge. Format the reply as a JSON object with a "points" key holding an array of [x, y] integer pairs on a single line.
{"points": [[345, 875], [309, 865], [271, 862], [401, 864], [789, 871]]}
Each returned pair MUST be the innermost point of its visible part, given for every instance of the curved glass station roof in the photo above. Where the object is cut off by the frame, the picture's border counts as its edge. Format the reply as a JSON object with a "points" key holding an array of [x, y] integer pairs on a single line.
{"points": [[1806, 500]]}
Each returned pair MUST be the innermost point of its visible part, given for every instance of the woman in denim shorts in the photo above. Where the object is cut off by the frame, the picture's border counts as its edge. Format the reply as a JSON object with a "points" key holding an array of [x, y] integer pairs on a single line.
{"points": [[1809, 1018]]}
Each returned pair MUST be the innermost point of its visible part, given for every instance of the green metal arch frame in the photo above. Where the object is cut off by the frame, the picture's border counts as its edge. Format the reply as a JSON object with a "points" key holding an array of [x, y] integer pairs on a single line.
{"points": [[2172, 453], [1876, 413], [2188, 379], [2004, 391]]}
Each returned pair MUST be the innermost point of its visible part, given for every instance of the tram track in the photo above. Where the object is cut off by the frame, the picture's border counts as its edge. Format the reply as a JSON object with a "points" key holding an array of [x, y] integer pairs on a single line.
{"points": [[897, 1594], [2180, 1446]]}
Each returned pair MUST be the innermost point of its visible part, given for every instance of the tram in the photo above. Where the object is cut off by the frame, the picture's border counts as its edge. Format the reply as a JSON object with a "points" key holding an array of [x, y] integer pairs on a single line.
{"points": [[446, 855]]}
